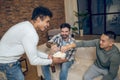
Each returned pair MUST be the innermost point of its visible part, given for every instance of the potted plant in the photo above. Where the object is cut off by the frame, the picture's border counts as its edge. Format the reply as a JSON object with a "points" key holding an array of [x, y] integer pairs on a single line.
{"points": [[75, 28], [81, 18]]}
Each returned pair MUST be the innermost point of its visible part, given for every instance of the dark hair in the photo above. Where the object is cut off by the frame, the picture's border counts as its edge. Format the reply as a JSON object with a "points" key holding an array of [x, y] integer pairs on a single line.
{"points": [[41, 12], [110, 34], [65, 25]]}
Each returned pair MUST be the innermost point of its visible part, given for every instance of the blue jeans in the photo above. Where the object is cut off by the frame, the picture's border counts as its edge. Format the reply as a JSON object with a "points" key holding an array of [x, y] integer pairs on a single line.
{"points": [[64, 67], [12, 71]]}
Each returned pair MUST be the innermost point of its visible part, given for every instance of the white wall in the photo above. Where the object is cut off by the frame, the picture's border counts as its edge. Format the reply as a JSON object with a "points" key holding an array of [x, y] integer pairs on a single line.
{"points": [[70, 7]]}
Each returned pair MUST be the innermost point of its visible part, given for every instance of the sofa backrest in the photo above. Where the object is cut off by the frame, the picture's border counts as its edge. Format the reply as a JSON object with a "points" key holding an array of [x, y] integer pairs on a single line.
{"points": [[88, 52]]}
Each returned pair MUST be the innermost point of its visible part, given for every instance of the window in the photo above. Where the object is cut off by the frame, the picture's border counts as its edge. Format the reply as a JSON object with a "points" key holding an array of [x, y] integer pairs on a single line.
{"points": [[104, 15]]}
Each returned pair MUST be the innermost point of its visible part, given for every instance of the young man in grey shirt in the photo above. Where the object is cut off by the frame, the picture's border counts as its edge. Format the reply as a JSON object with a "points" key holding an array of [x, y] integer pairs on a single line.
{"points": [[108, 57]]}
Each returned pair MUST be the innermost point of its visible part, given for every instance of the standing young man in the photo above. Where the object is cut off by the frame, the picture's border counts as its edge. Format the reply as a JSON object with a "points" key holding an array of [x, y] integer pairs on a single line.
{"points": [[23, 38], [62, 42], [108, 57]]}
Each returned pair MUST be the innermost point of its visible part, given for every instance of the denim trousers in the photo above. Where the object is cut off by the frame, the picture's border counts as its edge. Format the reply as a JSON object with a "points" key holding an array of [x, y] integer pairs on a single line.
{"points": [[94, 72], [64, 67], [12, 71]]}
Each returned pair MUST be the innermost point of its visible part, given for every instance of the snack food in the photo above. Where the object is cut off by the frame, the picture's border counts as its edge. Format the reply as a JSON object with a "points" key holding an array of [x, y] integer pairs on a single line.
{"points": [[59, 54]]}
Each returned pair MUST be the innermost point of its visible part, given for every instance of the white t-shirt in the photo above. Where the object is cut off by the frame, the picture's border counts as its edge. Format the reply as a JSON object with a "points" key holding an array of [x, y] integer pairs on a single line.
{"points": [[19, 39]]}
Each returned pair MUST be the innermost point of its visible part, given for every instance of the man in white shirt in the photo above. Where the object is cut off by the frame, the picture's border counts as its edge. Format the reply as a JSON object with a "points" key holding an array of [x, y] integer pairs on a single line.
{"points": [[23, 38]]}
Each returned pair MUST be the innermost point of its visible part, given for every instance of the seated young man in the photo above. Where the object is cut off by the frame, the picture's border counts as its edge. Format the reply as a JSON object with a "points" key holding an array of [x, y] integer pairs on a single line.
{"points": [[108, 57], [62, 43]]}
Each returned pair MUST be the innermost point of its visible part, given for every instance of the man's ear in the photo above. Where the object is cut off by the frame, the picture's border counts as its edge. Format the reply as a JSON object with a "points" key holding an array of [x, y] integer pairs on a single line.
{"points": [[41, 18], [38, 20], [111, 42]]}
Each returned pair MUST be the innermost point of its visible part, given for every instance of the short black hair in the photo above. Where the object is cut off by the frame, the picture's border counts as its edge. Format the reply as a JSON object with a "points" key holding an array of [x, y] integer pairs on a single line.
{"points": [[41, 12], [65, 25], [110, 34]]}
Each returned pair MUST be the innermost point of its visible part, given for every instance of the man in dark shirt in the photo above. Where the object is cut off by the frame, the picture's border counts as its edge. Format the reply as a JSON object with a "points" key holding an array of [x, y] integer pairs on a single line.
{"points": [[108, 57]]}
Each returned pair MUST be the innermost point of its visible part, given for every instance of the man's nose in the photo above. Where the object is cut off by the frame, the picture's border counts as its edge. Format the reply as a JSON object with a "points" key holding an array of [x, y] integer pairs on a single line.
{"points": [[48, 24]]}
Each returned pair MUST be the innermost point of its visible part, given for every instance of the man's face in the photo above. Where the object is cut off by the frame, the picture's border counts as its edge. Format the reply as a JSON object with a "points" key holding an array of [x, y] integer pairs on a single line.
{"points": [[65, 33], [105, 42], [43, 24]]}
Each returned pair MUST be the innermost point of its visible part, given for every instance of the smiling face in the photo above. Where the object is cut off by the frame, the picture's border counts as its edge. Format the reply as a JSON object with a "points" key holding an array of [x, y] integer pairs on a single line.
{"points": [[105, 42], [42, 24], [65, 32]]}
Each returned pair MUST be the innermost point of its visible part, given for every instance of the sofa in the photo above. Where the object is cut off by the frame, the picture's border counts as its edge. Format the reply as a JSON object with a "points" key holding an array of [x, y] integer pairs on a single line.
{"points": [[84, 57]]}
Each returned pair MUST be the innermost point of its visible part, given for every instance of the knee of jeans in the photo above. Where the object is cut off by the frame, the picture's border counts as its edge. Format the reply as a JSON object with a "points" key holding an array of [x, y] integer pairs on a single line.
{"points": [[66, 66], [86, 77], [45, 67]]}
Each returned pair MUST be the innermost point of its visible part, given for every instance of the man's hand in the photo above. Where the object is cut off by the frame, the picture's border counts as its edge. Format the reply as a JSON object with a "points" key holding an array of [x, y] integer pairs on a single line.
{"points": [[64, 49], [54, 48], [67, 47], [57, 60], [49, 44], [49, 56]]}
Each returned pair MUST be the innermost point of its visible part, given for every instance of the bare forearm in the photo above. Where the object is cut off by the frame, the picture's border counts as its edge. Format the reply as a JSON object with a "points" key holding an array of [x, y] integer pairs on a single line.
{"points": [[73, 45]]}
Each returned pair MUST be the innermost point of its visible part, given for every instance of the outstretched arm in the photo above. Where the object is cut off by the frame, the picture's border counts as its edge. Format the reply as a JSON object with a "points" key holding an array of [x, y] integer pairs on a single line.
{"points": [[68, 47]]}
